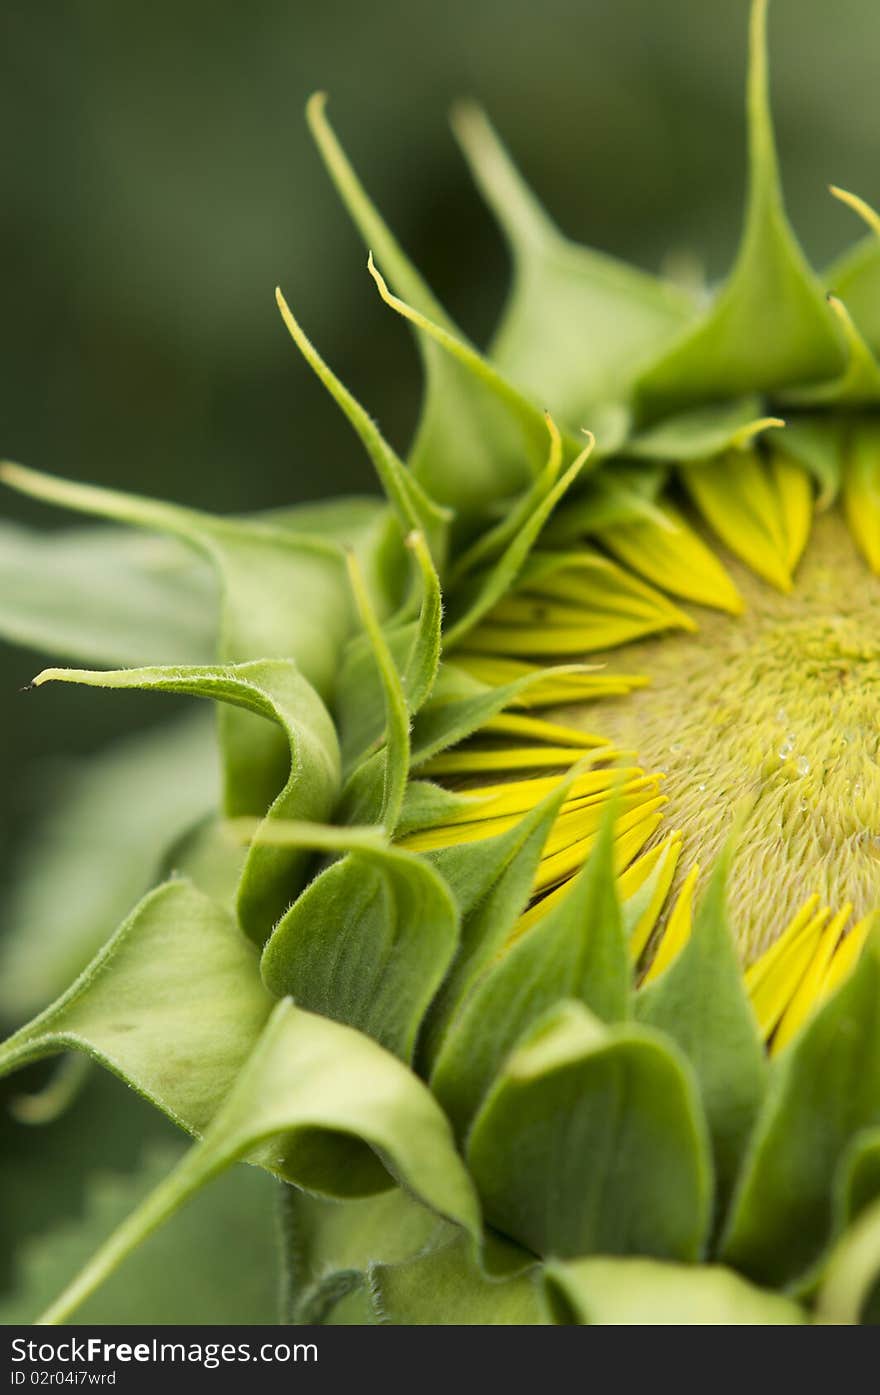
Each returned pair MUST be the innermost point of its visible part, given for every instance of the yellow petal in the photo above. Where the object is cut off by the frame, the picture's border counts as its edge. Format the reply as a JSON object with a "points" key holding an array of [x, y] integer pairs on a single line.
{"points": [[536, 729], [557, 689], [807, 998], [467, 761], [762, 966], [861, 495], [846, 957], [631, 841], [795, 492], [737, 498], [565, 863], [773, 987], [586, 635], [599, 584], [492, 809], [678, 928], [661, 861], [669, 553]]}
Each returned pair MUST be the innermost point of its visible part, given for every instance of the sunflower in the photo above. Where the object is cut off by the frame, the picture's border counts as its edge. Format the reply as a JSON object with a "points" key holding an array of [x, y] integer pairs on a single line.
{"points": [[531, 947], [767, 705]]}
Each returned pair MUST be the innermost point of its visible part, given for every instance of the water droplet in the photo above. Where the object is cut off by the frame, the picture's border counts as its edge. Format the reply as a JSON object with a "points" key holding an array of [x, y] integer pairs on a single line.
{"points": [[701, 788], [802, 765], [676, 748], [786, 749], [782, 717], [803, 806]]}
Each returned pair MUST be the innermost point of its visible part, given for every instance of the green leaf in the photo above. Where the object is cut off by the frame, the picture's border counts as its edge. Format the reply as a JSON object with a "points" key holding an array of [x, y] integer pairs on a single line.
{"points": [[849, 1291], [414, 509], [701, 1003], [644, 1292], [592, 1140], [213, 1264], [471, 601], [824, 1089], [423, 659], [703, 432], [859, 383], [173, 1004], [414, 646], [330, 1245], [579, 325], [369, 940], [857, 1184], [374, 790], [491, 880], [479, 439], [617, 493], [447, 1287], [260, 568], [855, 277], [461, 704], [324, 1107], [362, 525], [769, 327], [95, 850], [818, 443], [304, 786], [577, 952], [102, 596]]}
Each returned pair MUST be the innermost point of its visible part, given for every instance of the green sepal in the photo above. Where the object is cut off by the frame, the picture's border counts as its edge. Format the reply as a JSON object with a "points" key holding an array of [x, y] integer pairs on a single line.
{"points": [[818, 443], [592, 1140], [329, 1246], [478, 439], [414, 646], [369, 940], [824, 1090], [615, 493], [97, 848], [859, 383], [855, 278], [578, 324], [304, 786], [413, 508], [577, 951], [319, 1105], [701, 1003], [646, 1292], [769, 327], [849, 1294], [173, 1004], [374, 787], [447, 1287], [476, 596], [857, 1184], [700, 433]]}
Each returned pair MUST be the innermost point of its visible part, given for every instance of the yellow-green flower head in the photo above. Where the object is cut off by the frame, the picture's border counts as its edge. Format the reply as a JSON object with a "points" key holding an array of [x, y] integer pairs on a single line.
{"points": [[531, 947]]}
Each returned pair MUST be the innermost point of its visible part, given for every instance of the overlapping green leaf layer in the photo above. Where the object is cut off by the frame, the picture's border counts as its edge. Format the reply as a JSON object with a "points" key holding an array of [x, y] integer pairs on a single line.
{"points": [[467, 1123]]}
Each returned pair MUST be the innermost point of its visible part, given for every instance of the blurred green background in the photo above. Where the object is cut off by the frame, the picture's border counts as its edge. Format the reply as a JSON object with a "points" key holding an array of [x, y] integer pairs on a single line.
{"points": [[158, 181]]}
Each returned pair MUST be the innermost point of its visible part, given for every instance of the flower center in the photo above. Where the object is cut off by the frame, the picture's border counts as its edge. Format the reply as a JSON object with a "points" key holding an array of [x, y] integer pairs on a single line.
{"points": [[777, 710]]}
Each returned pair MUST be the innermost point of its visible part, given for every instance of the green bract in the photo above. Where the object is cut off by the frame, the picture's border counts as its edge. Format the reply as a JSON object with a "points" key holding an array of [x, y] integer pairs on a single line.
{"points": [[470, 1117]]}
